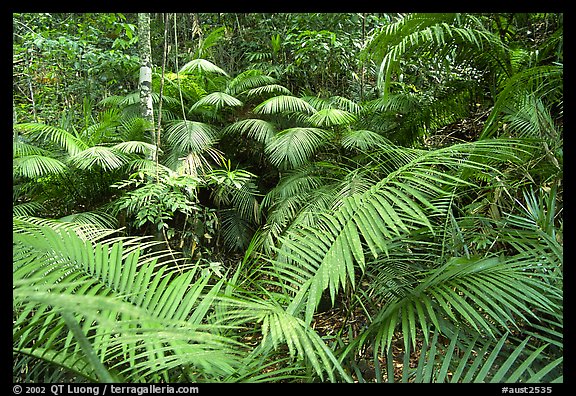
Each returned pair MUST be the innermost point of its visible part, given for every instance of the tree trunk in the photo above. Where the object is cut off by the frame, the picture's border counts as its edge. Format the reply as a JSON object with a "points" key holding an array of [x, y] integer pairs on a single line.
{"points": [[145, 81]]}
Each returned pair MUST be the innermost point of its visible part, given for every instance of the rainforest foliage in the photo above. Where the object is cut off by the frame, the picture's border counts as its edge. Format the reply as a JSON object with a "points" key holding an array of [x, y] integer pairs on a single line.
{"points": [[333, 197]]}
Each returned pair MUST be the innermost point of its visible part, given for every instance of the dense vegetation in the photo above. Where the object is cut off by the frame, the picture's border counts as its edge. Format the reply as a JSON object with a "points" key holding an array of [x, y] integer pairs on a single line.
{"points": [[316, 197]]}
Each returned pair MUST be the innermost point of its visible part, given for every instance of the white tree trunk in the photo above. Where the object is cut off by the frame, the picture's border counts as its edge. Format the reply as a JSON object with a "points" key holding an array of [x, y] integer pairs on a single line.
{"points": [[145, 81]]}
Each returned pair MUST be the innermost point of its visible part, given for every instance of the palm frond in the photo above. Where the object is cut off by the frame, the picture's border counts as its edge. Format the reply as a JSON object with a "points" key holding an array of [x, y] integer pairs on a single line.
{"points": [[325, 254], [543, 81], [132, 311], [281, 327], [260, 130], [504, 361], [270, 89], [284, 104], [104, 157], [292, 147], [218, 100], [22, 149], [201, 66], [191, 136], [249, 81], [425, 32], [134, 147], [330, 117], [69, 142], [26, 208], [33, 166], [362, 139], [98, 218]]}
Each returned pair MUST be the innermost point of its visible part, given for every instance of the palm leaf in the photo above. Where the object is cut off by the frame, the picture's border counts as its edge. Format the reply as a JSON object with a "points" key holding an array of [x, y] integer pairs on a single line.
{"points": [[201, 66], [502, 361], [425, 32], [132, 146], [148, 317], [280, 327], [401, 202], [218, 100], [542, 81], [331, 117], [33, 166], [249, 81], [362, 139], [274, 89], [292, 147], [69, 142], [104, 157], [284, 104], [260, 130], [191, 136], [26, 208]]}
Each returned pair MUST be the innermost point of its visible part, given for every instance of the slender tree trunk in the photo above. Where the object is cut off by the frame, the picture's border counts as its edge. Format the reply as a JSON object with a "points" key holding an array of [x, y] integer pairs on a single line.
{"points": [[14, 120], [145, 81], [145, 87]]}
